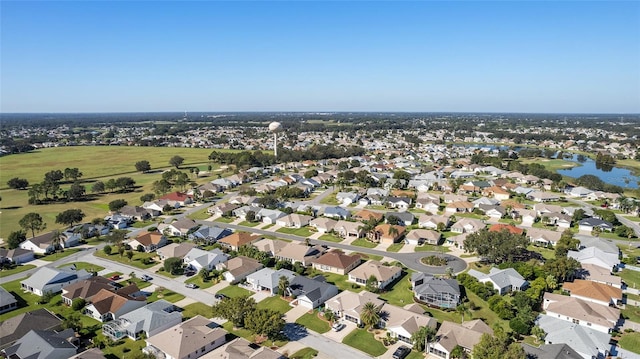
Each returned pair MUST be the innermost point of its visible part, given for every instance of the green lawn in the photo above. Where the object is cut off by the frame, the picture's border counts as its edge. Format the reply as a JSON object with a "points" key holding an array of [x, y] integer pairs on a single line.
{"points": [[630, 277], [89, 267], [304, 353], [139, 282], [330, 238], [197, 280], [630, 341], [301, 232], [136, 260], [123, 348], [364, 341], [169, 296], [243, 333], [339, 281], [361, 242], [431, 248], [142, 224], [166, 274], [199, 215], [545, 252], [312, 322], [225, 219], [59, 255], [233, 291], [17, 269], [274, 303], [197, 308], [400, 293], [249, 224], [483, 312], [395, 247], [366, 256]]}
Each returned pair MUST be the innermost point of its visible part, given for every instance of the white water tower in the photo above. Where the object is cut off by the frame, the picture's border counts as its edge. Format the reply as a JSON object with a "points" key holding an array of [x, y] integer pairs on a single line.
{"points": [[275, 127]]}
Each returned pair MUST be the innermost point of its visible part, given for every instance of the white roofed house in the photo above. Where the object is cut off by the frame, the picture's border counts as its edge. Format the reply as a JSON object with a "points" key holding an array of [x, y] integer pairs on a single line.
{"points": [[467, 225], [543, 237], [200, 259], [43, 243], [348, 305], [599, 317], [182, 226], [433, 221], [51, 280], [149, 320], [503, 280], [294, 220], [587, 341], [267, 279]]}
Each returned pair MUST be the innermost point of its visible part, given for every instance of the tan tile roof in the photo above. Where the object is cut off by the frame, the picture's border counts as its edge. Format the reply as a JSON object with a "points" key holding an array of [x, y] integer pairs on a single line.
{"points": [[467, 334], [149, 238], [338, 259], [582, 310], [87, 288], [187, 337], [365, 215], [375, 268], [239, 239], [589, 289]]}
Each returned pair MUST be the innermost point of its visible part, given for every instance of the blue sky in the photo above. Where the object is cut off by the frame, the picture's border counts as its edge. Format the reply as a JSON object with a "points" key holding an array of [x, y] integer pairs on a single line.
{"points": [[476, 56]]}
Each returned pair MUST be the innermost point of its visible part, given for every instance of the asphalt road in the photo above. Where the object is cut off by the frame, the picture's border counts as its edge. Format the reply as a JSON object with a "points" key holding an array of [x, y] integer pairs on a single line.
{"points": [[321, 343]]}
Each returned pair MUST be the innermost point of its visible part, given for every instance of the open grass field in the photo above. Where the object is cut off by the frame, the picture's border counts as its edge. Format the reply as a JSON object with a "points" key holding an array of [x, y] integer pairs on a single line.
{"points": [[95, 163], [364, 341], [551, 164]]}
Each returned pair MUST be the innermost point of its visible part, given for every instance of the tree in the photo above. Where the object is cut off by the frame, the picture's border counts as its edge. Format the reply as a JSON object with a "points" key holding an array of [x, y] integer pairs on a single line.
{"points": [[107, 249], [117, 204], [497, 346], [457, 352], [566, 243], [161, 186], [143, 166], [76, 192], [18, 183], [125, 183], [266, 322], [234, 310], [562, 269], [329, 315], [72, 174], [250, 216], [15, 238], [496, 246], [421, 337], [204, 274], [129, 255], [70, 216], [57, 240], [176, 161], [370, 315], [98, 187], [53, 176], [147, 197], [538, 333], [462, 309], [72, 321], [283, 284], [77, 304], [172, 265], [372, 284], [32, 222]]}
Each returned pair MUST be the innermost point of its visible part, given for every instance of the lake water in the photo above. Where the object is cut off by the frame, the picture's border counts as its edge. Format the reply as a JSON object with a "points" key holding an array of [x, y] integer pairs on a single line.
{"points": [[617, 176]]}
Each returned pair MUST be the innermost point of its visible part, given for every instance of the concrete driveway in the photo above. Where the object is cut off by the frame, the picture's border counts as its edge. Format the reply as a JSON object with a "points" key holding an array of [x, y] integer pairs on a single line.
{"points": [[296, 312], [259, 296], [339, 336]]}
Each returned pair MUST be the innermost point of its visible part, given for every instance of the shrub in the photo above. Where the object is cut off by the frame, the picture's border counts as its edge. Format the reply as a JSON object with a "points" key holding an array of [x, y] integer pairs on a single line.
{"points": [[77, 304]]}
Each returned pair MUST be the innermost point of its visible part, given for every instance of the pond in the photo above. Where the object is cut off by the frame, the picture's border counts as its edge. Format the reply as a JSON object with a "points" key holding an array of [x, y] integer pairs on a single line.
{"points": [[616, 176]]}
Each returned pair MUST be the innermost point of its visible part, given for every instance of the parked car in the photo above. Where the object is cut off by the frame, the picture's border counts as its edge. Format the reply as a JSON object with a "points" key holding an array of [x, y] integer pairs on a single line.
{"points": [[146, 278], [115, 277], [191, 285], [220, 296], [401, 352], [338, 326]]}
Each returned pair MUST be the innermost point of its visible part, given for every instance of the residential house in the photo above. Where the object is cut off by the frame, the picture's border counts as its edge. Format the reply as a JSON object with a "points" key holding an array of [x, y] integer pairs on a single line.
{"points": [[589, 224], [269, 216], [499, 227], [223, 209], [527, 216], [7, 301], [450, 198], [429, 205], [270, 246], [209, 234], [240, 348], [336, 262], [403, 218], [149, 241], [45, 344], [497, 192], [175, 250], [108, 305], [433, 221], [486, 201], [311, 292], [598, 274], [434, 291], [542, 197], [594, 292], [503, 280], [367, 215], [86, 289], [177, 198], [149, 320], [294, 220], [118, 221], [182, 226], [238, 268], [402, 323], [596, 256], [347, 229], [543, 208], [238, 239], [16, 255], [420, 236], [14, 328], [93, 353], [347, 198], [599, 317], [136, 213], [467, 225], [587, 341], [157, 207], [558, 219], [494, 212], [51, 280], [199, 259], [337, 212], [543, 237], [296, 252], [384, 275], [401, 203], [43, 243], [323, 224], [451, 335], [348, 305], [267, 279], [190, 339], [579, 192], [551, 351], [459, 207], [386, 233]]}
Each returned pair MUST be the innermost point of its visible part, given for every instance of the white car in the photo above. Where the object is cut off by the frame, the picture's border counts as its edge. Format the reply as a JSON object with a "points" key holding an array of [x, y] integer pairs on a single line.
{"points": [[338, 326]]}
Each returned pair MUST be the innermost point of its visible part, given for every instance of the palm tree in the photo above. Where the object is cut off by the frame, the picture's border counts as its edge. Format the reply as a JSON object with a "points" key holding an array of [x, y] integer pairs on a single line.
{"points": [[57, 240], [370, 315], [393, 231], [463, 309], [283, 284]]}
